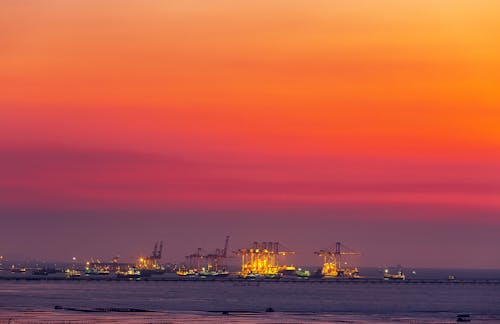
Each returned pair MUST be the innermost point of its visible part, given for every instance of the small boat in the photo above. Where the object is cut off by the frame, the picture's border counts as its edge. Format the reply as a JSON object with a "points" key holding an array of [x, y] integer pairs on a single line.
{"points": [[40, 272], [212, 273], [98, 272], [250, 275], [302, 273], [155, 271], [186, 273], [71, 273], [130, 274], [292, 272], [13, 269], [397, 276], [222, 273]]}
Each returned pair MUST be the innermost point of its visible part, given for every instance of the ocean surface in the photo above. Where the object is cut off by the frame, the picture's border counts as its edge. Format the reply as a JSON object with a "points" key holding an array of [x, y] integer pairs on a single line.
{"points": [[238, 301]]}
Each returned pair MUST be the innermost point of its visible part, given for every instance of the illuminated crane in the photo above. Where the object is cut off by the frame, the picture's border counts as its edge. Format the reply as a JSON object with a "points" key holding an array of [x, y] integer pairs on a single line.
{"points": [[215, 261], [151, 264], [262, 260], [332, 263], [195, 263]]}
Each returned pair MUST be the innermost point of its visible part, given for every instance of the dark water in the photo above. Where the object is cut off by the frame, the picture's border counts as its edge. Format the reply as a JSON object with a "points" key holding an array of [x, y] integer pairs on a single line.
{"points": [[304, 301]]}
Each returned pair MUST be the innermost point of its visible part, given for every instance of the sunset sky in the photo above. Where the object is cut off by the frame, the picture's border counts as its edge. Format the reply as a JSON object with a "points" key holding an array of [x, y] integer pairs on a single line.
{"points": [[376, 123]]}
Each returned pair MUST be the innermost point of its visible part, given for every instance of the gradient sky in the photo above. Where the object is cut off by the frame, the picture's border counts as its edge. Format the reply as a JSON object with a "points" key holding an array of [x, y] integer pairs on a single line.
{"points": [[376, 123]]}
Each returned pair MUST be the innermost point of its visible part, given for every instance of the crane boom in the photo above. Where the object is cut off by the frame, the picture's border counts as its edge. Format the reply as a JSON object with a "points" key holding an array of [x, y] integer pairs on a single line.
{"points": [[160, 250], [226, 244]]}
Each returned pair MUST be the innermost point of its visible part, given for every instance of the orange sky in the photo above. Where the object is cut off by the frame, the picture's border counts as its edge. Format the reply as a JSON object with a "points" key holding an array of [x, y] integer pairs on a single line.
{"points": [[258, 104]]}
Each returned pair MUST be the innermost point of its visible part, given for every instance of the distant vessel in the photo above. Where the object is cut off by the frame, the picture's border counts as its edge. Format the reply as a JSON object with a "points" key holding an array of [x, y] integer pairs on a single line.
{"points": [[39, 272], [72, 273], [291, 272], [212, 273], [13, 269], [45, 271], [394, 276], [130, 274], [99, 272], [183, 272], [333, 265], [463, 318], [48, 270], [302, 273]]}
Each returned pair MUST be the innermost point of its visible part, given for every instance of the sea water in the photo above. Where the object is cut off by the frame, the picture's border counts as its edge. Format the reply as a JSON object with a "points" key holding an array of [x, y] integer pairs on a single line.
{"points": [[207, 301]]}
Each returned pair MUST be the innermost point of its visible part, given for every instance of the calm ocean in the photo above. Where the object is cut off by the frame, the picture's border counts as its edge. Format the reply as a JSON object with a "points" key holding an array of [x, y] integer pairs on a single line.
{"points": [[303, 301]]}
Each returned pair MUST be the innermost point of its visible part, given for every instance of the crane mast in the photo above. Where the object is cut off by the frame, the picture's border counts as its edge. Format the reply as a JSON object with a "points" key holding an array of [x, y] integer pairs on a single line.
{"points": [[333, 265]]}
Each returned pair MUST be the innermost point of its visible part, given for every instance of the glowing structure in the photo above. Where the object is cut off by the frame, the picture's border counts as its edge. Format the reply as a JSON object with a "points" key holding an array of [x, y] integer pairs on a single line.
{"points": [[97, 267], [333, 265], [215, 266], [263, 260], [215, 261], [193, 262], [151, 265]]}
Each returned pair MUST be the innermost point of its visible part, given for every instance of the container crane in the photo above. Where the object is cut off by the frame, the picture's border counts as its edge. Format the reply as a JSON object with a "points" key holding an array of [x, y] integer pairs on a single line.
{"points": [[332, 262]]}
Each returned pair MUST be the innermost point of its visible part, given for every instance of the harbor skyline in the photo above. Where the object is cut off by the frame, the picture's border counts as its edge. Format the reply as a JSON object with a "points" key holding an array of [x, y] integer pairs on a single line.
{"points": [[371, 123]]}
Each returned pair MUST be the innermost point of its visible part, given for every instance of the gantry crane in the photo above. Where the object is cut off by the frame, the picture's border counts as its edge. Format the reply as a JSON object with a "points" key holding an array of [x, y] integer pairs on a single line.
{"points": [[262, 259], [151, 264], [195, 264], [332, 262], [215, 261]]}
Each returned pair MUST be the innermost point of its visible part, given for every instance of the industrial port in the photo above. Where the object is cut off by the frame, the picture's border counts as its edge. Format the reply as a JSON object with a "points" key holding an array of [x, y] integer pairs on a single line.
{"points": [[266, 260]]}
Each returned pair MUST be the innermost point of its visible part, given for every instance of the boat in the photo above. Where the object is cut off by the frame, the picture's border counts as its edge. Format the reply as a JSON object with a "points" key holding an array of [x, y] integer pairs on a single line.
{"points": [[292, 272], [302, 273], [13, 269], [394, 276], [130, 274], [98, 272], [250, 275], [184, 272], [40, 272], [212, 273], [72, 273], [222, 273]]}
